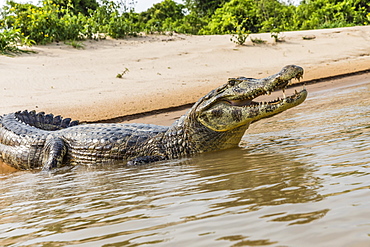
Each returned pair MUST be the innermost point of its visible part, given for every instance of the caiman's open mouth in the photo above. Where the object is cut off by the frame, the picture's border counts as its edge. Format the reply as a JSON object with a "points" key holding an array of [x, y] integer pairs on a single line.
{"points": [[236, 104], [249, 101]]}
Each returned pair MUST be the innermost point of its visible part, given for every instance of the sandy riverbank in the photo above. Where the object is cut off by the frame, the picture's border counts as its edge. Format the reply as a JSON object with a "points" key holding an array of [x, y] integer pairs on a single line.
{"points": [[164, 71]]}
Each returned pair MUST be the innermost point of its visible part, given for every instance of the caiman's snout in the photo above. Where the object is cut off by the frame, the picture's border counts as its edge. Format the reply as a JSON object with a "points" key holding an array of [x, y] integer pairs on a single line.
{"points": [[235, 103], [290, 72], [282, 79]]}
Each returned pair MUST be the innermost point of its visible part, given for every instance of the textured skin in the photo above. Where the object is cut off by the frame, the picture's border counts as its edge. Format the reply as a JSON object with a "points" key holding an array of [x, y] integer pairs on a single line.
{"points": [[217, 121]]}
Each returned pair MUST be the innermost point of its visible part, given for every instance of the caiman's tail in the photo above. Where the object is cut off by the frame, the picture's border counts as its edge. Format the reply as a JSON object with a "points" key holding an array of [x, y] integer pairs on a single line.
{"points": [[26, 139], [44, 121]]}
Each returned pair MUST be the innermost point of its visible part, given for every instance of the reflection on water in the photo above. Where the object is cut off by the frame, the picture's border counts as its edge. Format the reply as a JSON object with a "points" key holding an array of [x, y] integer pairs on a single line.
{"points": [[299, 179]]}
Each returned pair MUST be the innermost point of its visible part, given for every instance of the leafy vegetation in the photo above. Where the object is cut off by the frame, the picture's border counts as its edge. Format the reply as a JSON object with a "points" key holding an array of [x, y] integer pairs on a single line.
{"points": [[164, 16], [240, 37], [204, 8], [77, 6], [331, 13], [11, 40], [276, 35], [258, 41], [254, 16], [76, 20], [75, 44]]}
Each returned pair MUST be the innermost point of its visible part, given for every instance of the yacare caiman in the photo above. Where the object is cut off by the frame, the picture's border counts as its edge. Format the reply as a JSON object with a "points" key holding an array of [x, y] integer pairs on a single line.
{"points": [[30, 140]]}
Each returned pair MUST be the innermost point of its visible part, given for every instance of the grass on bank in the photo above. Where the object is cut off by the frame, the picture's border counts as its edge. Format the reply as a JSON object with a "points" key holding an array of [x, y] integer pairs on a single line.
{"points": [[12, 41]]}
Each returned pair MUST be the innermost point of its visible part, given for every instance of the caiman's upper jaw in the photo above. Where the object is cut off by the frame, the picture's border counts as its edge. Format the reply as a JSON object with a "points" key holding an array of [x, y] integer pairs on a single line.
{"points": [[247, 100], [287, 82]]}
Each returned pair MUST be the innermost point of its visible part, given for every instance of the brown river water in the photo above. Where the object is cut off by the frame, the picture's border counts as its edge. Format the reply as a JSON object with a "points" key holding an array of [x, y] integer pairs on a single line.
{"points": [[301, 178]]}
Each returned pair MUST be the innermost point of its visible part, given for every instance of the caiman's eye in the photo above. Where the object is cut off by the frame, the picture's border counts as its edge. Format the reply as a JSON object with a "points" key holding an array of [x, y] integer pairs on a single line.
{"points": [[232, 81]]}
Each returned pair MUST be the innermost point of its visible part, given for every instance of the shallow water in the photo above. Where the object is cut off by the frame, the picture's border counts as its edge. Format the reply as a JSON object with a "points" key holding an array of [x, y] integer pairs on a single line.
{"points": [[299, 179]]}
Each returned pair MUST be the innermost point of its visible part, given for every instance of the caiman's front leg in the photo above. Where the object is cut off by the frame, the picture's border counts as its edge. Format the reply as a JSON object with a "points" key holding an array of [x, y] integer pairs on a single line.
{"points": [[53, 153]]}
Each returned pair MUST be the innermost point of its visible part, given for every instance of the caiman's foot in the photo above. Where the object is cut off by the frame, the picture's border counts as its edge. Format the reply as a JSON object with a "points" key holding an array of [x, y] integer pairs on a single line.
{"points": [[145, 160]]}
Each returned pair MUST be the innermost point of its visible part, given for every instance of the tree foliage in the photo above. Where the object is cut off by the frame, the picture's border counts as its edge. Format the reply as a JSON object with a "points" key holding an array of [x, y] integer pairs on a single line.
{"points": [[204, 8], [331, 13], [254, 16], [165, 15], [78, 6], [57, 20]]}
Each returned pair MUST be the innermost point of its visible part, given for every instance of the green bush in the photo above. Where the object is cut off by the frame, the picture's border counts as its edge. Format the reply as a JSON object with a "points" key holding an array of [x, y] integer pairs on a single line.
{"points": [[232, 15], [120, 27], [204, 8], [73, 20], [11, 40], [330, 13], [240, 37], [255, 16], [52, 22], [45, 24], [78, 6], [190, 24], [163, 16]]}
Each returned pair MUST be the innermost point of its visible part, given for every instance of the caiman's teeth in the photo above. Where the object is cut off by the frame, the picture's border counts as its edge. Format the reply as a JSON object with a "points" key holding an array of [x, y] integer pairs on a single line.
{"points": [[284, 93], [268, 92]]}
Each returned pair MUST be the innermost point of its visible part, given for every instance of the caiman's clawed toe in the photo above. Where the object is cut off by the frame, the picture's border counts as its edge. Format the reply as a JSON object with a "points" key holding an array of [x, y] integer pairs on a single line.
{"points": [[217, 121]]}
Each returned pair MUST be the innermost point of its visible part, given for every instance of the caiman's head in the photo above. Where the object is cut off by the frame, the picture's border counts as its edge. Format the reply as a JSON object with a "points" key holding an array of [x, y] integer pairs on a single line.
{"points": [[232, 105]]}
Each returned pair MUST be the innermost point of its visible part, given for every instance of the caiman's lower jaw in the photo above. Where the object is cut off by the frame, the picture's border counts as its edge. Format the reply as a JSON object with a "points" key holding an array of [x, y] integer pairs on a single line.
{"points": [[224, 116]]}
